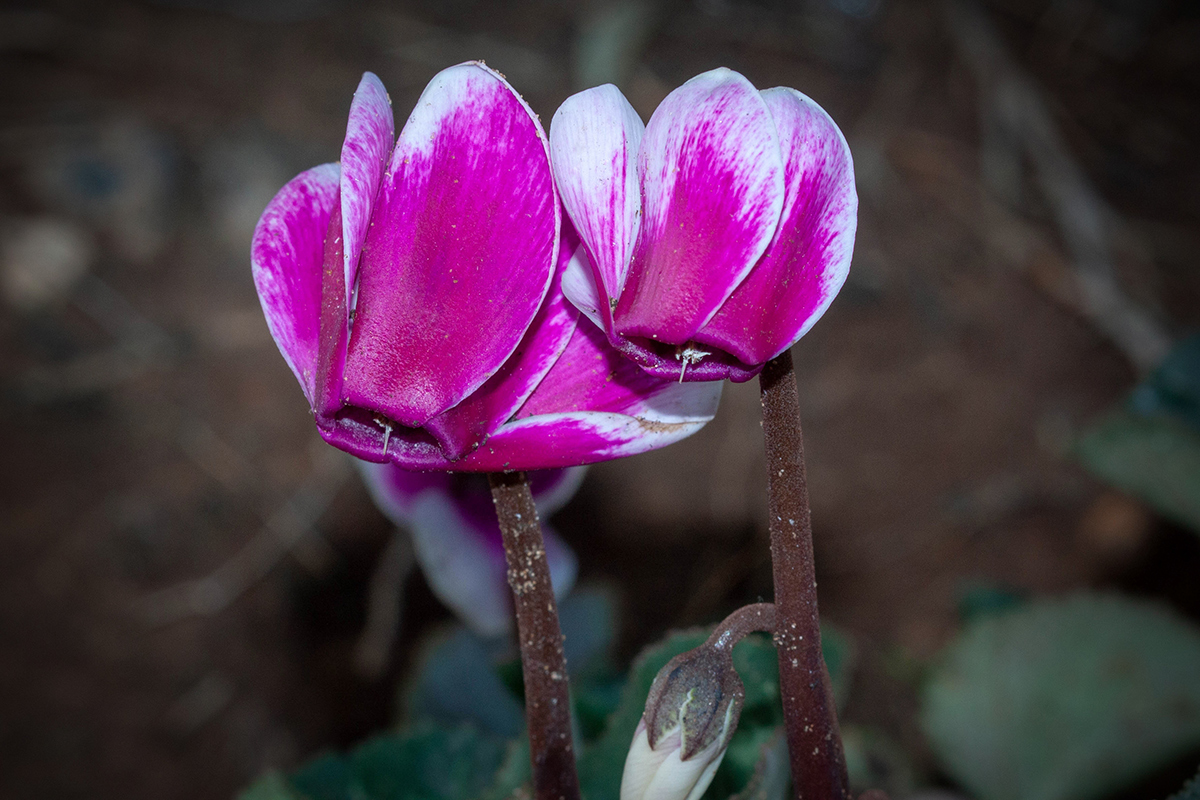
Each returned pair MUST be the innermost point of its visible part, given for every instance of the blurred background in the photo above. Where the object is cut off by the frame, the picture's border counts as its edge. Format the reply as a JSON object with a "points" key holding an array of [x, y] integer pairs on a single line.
{"points": [[186, 570]]}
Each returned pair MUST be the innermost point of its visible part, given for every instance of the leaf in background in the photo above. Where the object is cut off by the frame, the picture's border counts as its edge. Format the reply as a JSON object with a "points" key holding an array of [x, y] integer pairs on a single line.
{"points": [[772, 779], [424, 762], [269, 787], [1173, 388], [326, 777], [429, 762], [588, 619], [875, 761], [1066, 699], [456, 681], [1151, 448], [1156, 458], [514, 772]]}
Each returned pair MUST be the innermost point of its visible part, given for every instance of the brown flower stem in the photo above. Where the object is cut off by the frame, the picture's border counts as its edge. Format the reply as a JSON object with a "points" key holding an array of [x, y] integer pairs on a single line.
{"points": [[755, 618], [814, 741], [547, 697]]}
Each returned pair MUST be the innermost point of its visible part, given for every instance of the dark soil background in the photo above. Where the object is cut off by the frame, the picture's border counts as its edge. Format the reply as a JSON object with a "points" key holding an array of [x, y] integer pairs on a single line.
{"points": [[153, 436]]}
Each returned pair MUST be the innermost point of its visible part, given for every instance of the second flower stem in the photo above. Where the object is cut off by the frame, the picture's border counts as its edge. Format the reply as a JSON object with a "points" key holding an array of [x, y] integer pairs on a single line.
{"points": [[810, 717], [544, 665]]}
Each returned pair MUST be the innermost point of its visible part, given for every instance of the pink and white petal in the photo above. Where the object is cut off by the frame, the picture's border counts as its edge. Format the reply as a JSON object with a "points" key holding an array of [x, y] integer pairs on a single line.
{"points": [[395, 490], [457, 541], [594, 405], [712, 188], [286, 256], [370, 134], [461, 251], [579, 287], [553, 488], [583, 437], [462, 566], [461, 429], [595, 138], [808, 261]]}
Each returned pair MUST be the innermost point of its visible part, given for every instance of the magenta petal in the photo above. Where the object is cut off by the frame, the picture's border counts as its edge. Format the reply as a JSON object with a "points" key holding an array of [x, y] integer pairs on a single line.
{"points": [[461, 249], [593, 405], [395, 490], [807, 262], [370, 133], [286, 257], [595, 138], [462, 428], [712, 183], [335, 331]]}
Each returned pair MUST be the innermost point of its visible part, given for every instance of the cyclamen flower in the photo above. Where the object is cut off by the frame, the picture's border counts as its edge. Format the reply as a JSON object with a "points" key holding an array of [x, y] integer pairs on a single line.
{"points": [[716, 235], [414, 291], [456, 537]]}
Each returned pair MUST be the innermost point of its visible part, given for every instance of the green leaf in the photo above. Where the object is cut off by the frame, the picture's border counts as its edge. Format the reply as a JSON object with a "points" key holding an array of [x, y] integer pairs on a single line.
{"points": [[456, 681], [772, 778], [327, 777], [1155, 458], [272, 786], [1174, 387], [423, 762], [427, 763], [1065, 700], [875, 761], [514, 772]]}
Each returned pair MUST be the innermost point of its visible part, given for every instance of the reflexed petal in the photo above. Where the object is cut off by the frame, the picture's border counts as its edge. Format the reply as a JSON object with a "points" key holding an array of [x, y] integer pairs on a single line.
{"points": [[595, 137], [462, 556], [457, 539], [807, 262], [552, 488], [461, 252], [462, 428], [395, 490], [593, 405], [370, 134], [712, 183], [286, 257]]}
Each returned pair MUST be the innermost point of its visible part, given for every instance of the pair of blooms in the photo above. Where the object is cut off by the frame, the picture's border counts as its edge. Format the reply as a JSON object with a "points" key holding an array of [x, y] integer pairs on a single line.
{"points": [[472, 295]]}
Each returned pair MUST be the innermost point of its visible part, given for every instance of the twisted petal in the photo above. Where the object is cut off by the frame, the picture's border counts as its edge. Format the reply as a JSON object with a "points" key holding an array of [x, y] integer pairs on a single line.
{"points": [[461, 249], [457, 540], [594, 405], [369, 137], [712, 182], [809, 258], [595, 137], [286, 258], [462, 428]]}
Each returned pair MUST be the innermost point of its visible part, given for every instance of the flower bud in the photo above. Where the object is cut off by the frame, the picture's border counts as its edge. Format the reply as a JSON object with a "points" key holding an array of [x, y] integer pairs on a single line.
{"points": [[691, 713]]}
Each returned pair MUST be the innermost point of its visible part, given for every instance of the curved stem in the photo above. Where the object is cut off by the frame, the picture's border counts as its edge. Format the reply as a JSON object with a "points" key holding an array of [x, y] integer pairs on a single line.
{"points": [[755, 618], [547, 696], [814, 741]]}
